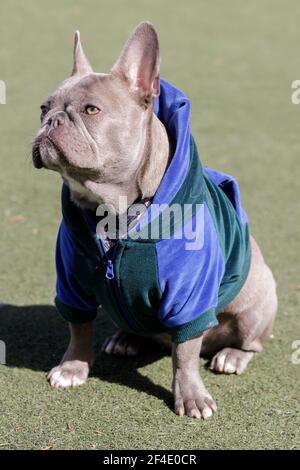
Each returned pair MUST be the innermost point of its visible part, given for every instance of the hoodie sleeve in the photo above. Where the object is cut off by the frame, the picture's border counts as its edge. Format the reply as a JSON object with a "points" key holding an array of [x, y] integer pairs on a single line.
{"points": [[73, 299], [194, 327]]}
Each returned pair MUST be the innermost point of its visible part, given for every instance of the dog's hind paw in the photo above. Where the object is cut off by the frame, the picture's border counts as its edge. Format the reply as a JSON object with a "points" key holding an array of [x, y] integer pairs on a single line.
{"points": [[122, 344], [69, 374], [231, 361]]}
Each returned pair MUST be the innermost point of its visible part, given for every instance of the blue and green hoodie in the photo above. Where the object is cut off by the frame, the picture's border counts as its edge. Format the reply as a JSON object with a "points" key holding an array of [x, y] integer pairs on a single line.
{"points": [[149, 284]]}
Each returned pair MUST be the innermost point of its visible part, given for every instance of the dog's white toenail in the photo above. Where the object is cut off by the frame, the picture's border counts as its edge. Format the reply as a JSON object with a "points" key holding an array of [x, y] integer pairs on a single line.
{"points": [[77, 381], [221, 361], [55, 375], [229, 368], [207, 413]]}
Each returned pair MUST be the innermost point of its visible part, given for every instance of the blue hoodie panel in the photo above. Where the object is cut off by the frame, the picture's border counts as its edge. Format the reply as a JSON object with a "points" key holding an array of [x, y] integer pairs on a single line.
{"points": [[190, 271], [72, 289]]}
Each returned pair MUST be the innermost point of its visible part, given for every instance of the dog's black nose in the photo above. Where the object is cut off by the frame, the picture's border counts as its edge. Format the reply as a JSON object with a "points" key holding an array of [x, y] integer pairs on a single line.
{"points": [[57, 120]]}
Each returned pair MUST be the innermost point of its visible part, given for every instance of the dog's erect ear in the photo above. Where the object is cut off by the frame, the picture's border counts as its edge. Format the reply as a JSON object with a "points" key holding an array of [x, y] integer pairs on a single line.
{"points": [[81, 65], [139, 61]]}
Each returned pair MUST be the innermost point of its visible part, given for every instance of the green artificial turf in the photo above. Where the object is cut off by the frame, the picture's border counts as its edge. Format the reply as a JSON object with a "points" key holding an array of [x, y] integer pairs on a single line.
{"points": [[235, 60]]}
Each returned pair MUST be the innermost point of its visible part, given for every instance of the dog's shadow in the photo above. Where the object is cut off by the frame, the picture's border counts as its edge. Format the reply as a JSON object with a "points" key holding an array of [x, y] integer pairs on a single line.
{"points": [[35, 338]]}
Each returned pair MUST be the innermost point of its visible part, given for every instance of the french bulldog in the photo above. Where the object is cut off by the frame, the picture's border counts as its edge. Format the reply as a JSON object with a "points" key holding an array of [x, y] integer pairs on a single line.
{"points": [[100, 133]]}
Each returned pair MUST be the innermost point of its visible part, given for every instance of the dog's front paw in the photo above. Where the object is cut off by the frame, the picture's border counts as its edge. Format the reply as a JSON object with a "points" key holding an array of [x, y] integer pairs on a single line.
{"points": [[69, 374], [191, 397]]}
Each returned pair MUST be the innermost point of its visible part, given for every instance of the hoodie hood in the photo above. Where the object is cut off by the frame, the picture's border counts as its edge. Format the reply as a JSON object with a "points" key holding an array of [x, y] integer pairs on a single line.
{"points": [[172, 107]]}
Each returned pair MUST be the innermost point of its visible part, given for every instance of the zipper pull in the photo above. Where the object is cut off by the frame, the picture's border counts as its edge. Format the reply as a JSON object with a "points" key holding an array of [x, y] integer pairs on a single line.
{"points": [[109, 270]]}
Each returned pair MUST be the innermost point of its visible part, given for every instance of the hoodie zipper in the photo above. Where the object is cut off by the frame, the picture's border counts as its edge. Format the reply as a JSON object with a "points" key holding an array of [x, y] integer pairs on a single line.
{"points": [[110, 276], [109, 270]]}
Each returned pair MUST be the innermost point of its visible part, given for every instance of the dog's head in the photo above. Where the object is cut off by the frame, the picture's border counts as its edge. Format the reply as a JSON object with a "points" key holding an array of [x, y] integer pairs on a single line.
{"points": [[94, 127]]}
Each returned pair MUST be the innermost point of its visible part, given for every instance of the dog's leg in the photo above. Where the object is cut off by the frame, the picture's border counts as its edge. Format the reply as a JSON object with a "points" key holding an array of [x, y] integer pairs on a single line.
{"points": [[190, 395], [246, 321], [77, 360]]}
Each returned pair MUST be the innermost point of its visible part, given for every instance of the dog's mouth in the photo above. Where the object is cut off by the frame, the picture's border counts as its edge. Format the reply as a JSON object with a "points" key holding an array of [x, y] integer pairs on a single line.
{"points": [[46, 154], [36, 156]]}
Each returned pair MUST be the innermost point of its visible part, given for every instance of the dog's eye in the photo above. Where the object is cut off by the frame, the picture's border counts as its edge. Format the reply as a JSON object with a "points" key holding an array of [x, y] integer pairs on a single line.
{"points": [[91, 110]]}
